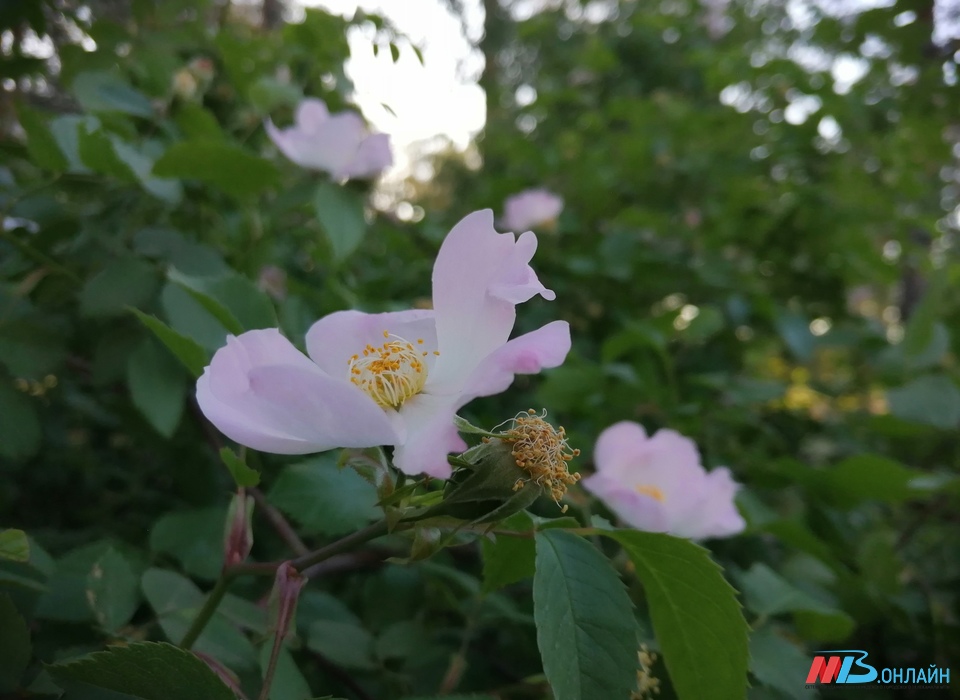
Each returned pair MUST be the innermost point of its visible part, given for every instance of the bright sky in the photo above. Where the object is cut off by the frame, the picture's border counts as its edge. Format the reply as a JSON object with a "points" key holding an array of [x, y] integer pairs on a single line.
{"points": [[439, 98]]}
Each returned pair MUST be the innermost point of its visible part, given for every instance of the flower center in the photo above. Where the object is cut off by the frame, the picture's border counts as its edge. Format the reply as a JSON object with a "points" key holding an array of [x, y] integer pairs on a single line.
{"points": [[652, 491], [392, 373], [542, 451]]}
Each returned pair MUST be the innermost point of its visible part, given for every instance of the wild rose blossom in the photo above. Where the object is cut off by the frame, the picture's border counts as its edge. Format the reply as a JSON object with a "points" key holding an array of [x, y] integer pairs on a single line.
{"points": [[338, 144], [392, 378], [658, 484], [531, 208]]}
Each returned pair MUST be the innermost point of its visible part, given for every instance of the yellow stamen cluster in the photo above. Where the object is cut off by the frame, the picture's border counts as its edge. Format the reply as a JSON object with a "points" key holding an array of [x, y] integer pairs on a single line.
{"points": [[543, 452], [392, 373], [647, 684], [35, 388], [652, 491]]}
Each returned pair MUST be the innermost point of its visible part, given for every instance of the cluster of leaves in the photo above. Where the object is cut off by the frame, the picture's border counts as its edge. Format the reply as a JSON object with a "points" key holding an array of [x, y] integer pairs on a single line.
{"points": [[145, 216]]}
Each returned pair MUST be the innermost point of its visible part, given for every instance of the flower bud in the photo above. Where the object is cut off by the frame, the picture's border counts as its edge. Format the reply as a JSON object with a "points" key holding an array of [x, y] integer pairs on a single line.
{"points": [[238, 534], [510, 470]]}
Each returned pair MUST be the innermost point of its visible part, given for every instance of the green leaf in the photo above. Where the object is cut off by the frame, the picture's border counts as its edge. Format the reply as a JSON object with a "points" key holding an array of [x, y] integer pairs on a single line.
{"points": [[168, 592], [14, 545], [113, 591], [146, 671], [288, 681], [241, 473], [230, 168], [767, 593], [779, 663], [920, 330], [695, 614], [97, 152], [140, 164], [186, 316], [20, 428], [586, 629], [194, 537], [30, 350], [340, 213], [41, 145], [157, 386], [122, 283], [930, 399], [106, 92], [198, 123], [869, 477], [268, 93], [507, 560], [324, 499], [190, 354], [347, 645], [233, 300], [15, 648], [176, 601]]}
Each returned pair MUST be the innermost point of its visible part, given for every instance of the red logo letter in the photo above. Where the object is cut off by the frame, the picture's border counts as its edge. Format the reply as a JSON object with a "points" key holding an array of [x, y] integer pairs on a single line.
{"points": [[826, 670]]}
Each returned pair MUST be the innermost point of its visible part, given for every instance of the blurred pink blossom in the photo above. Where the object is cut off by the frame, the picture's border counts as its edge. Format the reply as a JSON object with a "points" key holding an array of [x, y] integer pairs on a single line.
{"points": [[395, 378], [658, 484], [338, 144], [531, 209]]}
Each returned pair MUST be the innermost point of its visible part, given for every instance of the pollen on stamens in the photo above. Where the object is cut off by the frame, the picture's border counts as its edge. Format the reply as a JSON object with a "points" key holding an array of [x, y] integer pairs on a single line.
{"points": [[389, 374], [542, 451]]}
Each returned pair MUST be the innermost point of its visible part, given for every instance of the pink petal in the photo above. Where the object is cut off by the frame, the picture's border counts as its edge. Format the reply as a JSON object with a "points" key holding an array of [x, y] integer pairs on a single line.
{"points": [[527, 354], [335, 338], [717, 515], [636, 509], [619, 447], [319, 141], [372, 157], [531, 208], [262, 392], [431, 436], [477, 277], [311, 114]]}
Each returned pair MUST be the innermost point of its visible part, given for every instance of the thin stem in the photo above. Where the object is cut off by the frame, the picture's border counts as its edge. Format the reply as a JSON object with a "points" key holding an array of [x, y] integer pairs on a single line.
{"points": [[371, 532], [209, 608], [279, 523], [271, 670], [210, 605]]}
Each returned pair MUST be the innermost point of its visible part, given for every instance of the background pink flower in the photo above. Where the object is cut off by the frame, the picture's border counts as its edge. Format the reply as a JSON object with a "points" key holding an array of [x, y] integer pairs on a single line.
{"points": [[531, 208], [393, 378], [338, 144], [658, 484]]}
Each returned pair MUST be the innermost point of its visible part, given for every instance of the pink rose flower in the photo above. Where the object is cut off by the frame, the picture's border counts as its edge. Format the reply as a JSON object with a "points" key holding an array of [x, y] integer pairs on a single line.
{"points": [[392, 378], [338, 144], [530, 209], [658, 484]]}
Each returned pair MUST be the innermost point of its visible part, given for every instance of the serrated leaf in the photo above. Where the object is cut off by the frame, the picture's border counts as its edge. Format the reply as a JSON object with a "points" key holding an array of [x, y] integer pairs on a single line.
{"points": [[190, 353], [14, 545], [340, 213], [324, 499], [157, 386], [15, 648], [778, 663], [146, 671], [113, 590], [695, 613], [507, 560], [236, 171], [586, 629], [243, 475]]}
